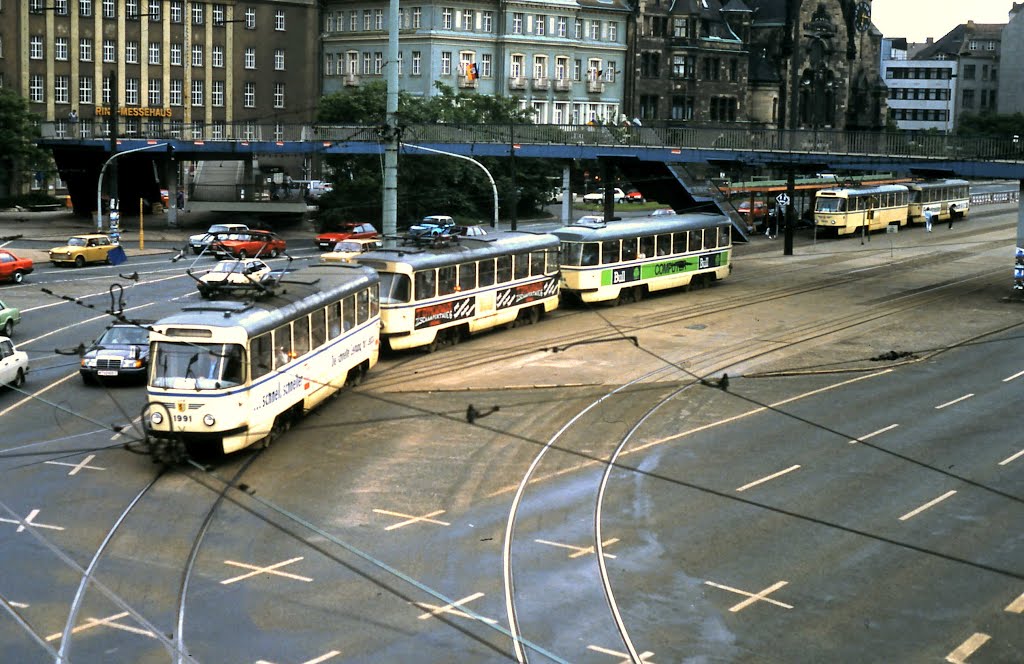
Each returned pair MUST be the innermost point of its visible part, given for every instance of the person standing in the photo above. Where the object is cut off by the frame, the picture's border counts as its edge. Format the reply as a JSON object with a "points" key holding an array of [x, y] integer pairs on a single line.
{"points": [[73, 121]]}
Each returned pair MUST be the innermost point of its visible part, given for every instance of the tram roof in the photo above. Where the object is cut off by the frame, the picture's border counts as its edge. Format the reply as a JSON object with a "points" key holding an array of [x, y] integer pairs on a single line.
{"points": [[930, 184], [298, 292], [636, 227], [863, 191], [495, 243]]}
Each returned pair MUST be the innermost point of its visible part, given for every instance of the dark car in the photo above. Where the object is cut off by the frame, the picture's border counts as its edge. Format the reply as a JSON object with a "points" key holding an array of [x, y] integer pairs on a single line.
{"points": [[121, 353]]}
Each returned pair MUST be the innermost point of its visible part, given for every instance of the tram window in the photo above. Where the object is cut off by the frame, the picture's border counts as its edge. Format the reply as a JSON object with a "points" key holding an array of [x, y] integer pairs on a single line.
{"points": [[426, 284], [394, 287], [261, 356], [679, 245], [374, 301], [664, 244], [487, 272], [282, 346], [467, 276], [446, 280], [317, 328], [590, 254], [348, 311], [696, 240], [363, 306], [610, 252], [521, 266], [334, 319], [300, 335], [504, 268], [536, 263], [827, 204], [571, 252], [724, 236], [647, 246], [629, 249], [552, 262]]}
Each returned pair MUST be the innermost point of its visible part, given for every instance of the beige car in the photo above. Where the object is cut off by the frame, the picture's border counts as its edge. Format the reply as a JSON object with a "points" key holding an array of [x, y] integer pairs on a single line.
{"points": [[347, 251], [82, 249]]}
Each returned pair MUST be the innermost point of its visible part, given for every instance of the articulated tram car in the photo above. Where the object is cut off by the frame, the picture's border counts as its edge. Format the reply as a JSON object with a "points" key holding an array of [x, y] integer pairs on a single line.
{"points": [[434, 295], [226, 374], [624, 260], [943, 198], [849, 210]]}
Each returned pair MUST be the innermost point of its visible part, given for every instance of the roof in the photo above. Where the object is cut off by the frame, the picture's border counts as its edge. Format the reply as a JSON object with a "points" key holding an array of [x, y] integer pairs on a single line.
{"points": [[952, 43], [500, 243], [637, 227]]}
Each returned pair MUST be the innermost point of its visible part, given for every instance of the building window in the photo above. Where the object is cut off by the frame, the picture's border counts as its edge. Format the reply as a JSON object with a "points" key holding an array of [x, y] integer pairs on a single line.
{"points": [[968, 99], [108, 9], [219, 13], [109, 53], [279, 20], [279, 59], [197, 15], [250, 19], [155, 92], [85, 89], [561, 26], [197, 92], [682, 108], [468, 19], [650, 64], [517, 23], [176, 13], [367, 20], [577, 28], [487, 21], [60, 48], [250, 58], [249, 95], [540, 66], [176, 55], [577, 69], [217, 56], [609, 71], [378, 63], [593, 69], [486, 65], [329, 64], [197, 55], [175, 92], [353, 63], [378, 19], [401, 62], [613, 31], [85, 8], [712, 69], [35, 47], [518, 64], [417, 63], [106, 90], [446, 63], [217, 93], [131, 52], [131, 92], [278, 95], [561, 68], [366, 64], [154, 53], [446, 18], [595, 30], [417, 17], [35, 88], [723, 109], [539, 24], [969, 72], [60, 89]]}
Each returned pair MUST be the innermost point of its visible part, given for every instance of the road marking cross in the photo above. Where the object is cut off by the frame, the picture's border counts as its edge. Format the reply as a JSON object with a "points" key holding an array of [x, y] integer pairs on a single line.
{"points": [[410, 519], [270, 569], [109, 621], [753, 597], [75, 467], [625, 655], [580, 550], [435, 610], [28, 521]]}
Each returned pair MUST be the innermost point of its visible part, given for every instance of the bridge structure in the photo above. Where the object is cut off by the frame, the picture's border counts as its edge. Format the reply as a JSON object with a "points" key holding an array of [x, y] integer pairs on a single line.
{"points": [[655, 156]]}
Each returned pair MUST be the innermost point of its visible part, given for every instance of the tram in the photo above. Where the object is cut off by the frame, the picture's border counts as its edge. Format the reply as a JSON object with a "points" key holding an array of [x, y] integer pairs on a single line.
{"points": [[434, 295], [945, 199], [623, 260], [226, 374], [847, 210]]}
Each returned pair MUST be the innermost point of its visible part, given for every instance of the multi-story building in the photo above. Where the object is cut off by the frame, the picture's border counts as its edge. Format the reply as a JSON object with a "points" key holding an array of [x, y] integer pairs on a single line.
{"points": [[563, 60], [1011, 57], [920, 91], [974, 47]]}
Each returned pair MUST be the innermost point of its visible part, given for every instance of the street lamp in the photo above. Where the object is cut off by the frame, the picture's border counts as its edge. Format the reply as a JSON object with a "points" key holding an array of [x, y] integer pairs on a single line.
{"points": [[99, 181], [494, 187]]}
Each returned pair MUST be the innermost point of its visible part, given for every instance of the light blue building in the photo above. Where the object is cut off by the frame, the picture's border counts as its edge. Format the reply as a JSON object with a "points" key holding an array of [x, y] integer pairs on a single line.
{"points": [[565, 59]]}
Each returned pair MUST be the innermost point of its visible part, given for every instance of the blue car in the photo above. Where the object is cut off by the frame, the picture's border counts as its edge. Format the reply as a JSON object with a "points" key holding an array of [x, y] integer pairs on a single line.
{"points": [[433, 226]]}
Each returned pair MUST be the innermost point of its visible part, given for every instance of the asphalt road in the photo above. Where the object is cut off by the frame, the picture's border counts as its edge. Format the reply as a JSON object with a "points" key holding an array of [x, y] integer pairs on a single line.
{"points": [[825, 505]]}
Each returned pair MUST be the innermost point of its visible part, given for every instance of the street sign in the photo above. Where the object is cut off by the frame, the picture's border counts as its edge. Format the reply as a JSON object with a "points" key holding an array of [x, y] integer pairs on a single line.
{"points": [[782, 200]]}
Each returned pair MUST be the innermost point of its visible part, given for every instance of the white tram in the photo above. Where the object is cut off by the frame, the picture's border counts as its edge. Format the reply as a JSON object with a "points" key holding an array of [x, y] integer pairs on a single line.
{"points": [[226, 374], [619, 260], [437, 295], [945, 199]]}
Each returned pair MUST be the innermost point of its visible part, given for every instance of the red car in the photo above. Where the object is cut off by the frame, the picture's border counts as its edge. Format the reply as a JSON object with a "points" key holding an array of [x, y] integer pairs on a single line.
{"points": [[760, 212], [14, 268], [245, 244], [348, 230]]}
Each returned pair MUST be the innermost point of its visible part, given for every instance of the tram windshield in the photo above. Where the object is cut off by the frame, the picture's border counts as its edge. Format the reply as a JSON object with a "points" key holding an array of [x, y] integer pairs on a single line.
{"points": [[579, 253], [188, 366], [830, 204], [394, 288]]}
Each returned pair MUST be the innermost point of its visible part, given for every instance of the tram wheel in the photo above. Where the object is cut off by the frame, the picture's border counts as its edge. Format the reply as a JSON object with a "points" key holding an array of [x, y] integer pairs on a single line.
{"points": [[533, 315], [433, 345], [355, 377]]}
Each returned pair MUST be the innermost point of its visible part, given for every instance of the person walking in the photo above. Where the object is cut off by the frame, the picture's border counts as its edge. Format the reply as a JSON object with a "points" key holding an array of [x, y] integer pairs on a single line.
{"points": [[952, 212], [928, 220]]}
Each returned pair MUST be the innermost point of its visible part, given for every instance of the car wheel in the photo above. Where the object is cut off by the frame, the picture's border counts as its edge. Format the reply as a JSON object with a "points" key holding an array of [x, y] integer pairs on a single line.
{"points": [[19, 277], [89, 379], [79, 261], [19, 380], [197, 250], [273, 253], [242, 254], [9, 328]]}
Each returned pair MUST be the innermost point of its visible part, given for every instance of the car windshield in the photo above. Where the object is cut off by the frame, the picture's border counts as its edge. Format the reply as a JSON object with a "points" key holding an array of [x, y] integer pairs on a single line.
{"points": [[349, 246], [228, 266], [196, 366], [124, 336], [77, 242], [219, 228]]}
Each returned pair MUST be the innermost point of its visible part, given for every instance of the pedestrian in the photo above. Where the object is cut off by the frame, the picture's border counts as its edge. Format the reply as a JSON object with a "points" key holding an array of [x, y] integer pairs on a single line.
{"points": [[73, 121], [928, 220], [180, 199], [952, 212]]}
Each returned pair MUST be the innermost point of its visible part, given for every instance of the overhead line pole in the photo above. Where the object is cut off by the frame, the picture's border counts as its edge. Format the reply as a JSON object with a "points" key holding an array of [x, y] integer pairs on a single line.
{"points": [[389, 222]]}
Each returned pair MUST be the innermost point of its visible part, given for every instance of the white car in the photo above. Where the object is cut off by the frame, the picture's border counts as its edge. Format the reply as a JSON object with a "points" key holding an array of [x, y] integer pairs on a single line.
{"points": [[598, 196], [13, 364], [202, 241], [233, 275]]}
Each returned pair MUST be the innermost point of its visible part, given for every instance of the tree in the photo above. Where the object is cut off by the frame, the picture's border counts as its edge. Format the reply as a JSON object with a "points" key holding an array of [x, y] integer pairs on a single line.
{"points": [[20, 157], [991, 125]]}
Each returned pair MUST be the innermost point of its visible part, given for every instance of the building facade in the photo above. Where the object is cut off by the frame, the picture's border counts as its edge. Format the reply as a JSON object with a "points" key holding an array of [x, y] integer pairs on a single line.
{"points": [[921, 92], [1010, 97], [974, 48]]}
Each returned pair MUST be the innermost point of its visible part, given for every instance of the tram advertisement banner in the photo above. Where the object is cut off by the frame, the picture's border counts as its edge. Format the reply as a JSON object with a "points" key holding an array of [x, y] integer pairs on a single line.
{"points": [[445, 312], [646, 271], [524, 293]]}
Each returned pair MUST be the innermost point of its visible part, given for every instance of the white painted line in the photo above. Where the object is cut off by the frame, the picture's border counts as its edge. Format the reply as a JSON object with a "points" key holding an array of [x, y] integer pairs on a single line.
{"points": [[19, 605], [1013, 377], [1017, 605], [105, 293], [873, 434], [967, 648], [28, 521], [36, 394], [75, 467], [580, 550], [322, 658], [1011, 458], [950, 403], [770, 477], [410, 519], [625, 655], [110, 621], [81, 322], [753, 597], [922, 508], [131, 425], [437, 610], [271, 569]]}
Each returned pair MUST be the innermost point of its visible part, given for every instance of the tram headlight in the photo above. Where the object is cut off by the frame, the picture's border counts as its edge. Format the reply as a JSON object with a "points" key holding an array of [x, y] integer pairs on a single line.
{"points": [[156, 418], [209, 420]]}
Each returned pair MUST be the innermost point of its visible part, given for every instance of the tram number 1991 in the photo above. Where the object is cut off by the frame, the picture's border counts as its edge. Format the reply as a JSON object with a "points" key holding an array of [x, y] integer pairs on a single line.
{"points": [[181, 418]]}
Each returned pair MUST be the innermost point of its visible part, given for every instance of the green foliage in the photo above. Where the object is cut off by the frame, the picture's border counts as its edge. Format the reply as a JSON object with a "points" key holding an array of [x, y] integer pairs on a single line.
{"points": [[20, 157], [991, 125]]}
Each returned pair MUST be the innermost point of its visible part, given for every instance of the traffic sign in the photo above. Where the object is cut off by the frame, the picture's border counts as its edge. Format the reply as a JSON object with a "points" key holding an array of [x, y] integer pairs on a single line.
{"points": [[782, 199]]}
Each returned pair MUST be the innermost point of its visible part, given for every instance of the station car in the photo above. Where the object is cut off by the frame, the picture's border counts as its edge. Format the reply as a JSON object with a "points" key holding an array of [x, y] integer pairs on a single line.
{"points": [[348, 251], [345, 231], [432, 225], [121, 353], [233, 275], [82, 249], [248, 243], [9, 317], [202, 241], [13, 268], [13, 364]]}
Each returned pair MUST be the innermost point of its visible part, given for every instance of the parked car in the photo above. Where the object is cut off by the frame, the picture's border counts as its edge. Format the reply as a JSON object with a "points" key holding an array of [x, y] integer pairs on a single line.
{"points": [[349, 230], [469, 231], [82, 249], [122, 352], [432, 226], [597, 197], [13, 268], [248, 243], [634, 196], [590, 220], [9, 317], [348, 251], [759, 214], [662, 211], [202, 241], [13, 364], [233, 275]]}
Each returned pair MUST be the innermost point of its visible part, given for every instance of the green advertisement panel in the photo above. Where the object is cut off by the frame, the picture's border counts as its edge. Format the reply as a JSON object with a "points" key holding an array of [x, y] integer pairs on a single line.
{"points": [[624, 275]]}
